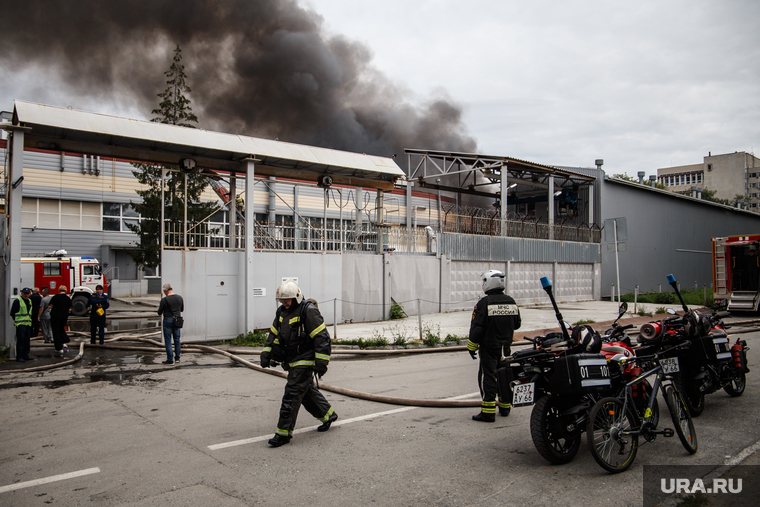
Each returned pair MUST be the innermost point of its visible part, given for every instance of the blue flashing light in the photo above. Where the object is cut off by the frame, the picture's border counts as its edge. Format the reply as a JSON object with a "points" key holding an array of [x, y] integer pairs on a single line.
{"points": [[671, 279], [545, 282]]}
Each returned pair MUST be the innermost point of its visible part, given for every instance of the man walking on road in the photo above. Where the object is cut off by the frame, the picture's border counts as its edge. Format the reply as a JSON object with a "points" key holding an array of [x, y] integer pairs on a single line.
{"points": [[494, 321], [299, 340]]}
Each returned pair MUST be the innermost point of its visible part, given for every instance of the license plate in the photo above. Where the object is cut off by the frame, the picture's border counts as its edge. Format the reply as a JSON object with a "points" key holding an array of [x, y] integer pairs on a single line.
{"points": [[670, 365], [523, 394]]}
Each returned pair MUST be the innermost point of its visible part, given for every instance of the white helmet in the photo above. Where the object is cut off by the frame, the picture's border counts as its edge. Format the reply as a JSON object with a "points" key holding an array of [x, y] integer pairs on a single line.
{"points": [[289, 290], [493, 279]]}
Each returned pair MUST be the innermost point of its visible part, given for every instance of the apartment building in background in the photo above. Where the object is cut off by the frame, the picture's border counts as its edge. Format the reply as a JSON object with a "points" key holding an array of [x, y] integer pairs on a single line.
{"points": [[728, 175]]}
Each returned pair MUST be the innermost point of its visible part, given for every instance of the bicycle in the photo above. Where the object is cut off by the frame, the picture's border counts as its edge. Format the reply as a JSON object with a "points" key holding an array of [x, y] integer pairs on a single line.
{"points": [[614, 425]]}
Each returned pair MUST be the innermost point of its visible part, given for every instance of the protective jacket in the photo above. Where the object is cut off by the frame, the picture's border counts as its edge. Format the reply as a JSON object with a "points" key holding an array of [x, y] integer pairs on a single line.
{"points": [[494, 321], [21, 311], [300, 335], [95, 300]]}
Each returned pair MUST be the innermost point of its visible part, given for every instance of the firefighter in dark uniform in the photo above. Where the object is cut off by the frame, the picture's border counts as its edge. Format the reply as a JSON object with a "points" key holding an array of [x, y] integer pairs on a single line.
{"points": [[299, 340], [494, 321]]}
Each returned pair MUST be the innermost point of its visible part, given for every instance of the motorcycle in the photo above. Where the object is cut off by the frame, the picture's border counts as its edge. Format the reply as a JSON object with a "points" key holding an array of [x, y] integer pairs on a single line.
{"points": [[563, 375], [710, 363]]}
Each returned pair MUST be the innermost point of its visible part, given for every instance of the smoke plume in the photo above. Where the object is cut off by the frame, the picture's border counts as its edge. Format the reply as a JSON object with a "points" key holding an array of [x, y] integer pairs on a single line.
{"points": [[263, 68]]}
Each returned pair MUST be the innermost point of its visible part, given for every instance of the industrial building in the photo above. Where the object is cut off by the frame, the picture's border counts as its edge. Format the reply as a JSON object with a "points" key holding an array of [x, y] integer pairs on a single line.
{"points": [[728, 175], [357, 232]]}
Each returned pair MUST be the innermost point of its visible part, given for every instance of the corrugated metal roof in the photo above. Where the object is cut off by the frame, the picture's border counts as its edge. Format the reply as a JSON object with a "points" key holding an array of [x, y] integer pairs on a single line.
{"points": [[669, 193], [52, 122]]}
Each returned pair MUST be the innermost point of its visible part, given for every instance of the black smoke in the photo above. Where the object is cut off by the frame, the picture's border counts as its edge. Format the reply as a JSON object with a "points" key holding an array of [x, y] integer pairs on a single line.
{"points": [[257, 67]]}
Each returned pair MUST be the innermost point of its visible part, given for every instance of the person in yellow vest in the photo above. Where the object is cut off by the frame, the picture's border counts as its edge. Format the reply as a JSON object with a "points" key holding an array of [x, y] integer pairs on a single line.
{"points": [[21, 312]]}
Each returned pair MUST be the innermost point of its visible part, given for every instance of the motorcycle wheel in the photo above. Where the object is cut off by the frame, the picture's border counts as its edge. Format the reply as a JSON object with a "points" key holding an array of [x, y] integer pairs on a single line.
{"points": [[736, 387], [695, 400], [679, 413], [611, 446], [548, 432]]}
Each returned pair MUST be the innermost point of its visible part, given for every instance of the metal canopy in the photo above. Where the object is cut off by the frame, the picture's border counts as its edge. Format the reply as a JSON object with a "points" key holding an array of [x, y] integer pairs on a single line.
{"points": [[98, 134], [475, 171]]}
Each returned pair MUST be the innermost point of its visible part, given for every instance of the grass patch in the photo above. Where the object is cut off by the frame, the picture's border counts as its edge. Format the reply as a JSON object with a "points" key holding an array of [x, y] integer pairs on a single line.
{"points": [[5, 351], [454, 338], [431, 335], [397, 311], [584, 321], [252, 339], [690, 297], [660, 309]]}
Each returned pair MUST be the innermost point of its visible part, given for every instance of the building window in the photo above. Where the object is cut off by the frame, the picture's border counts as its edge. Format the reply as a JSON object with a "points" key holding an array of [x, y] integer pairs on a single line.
{"points": [[117, 217]]}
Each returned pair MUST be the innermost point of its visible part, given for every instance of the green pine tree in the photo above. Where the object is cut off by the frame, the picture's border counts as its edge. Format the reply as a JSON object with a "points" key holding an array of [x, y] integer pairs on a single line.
{"points": [[174, 109]]}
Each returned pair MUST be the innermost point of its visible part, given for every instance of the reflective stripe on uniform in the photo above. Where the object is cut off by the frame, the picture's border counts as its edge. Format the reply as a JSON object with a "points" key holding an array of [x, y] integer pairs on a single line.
{"points": [[267, 349], [488, 407], [326, 357], [301, 363], [325, 417], [294, 320], [284, 433], [274, 330], [276, 341], [314, 333], [504, 405], [472, 346]]}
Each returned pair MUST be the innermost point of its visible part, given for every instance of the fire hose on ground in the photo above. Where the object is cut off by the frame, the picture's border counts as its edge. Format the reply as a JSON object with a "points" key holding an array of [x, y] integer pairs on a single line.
{"points": [[213, 350]]}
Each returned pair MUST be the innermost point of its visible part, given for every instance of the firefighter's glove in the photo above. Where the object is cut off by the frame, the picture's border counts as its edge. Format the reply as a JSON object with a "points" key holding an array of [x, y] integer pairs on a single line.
{"points": [[472, 348], [320, 368], [265, 361]]}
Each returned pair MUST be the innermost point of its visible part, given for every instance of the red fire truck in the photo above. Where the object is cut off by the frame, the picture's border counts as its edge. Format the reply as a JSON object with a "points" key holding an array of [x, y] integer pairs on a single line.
{"points": [[80, 275], [736, 271]]}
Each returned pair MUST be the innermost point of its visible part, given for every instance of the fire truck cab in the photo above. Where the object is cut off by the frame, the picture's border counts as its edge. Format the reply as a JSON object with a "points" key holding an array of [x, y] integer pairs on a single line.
{"points": [[81, 275], [736, 271]]}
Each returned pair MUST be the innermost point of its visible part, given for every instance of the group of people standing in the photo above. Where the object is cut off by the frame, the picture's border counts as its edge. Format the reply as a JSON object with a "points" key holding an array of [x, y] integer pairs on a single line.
{"points": [[37, 310]]}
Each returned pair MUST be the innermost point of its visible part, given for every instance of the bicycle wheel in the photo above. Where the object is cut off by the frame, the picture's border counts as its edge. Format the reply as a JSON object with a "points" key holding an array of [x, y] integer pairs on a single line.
{"points": [[549, 434], [679, 412], [695, 400], [608, 438]]}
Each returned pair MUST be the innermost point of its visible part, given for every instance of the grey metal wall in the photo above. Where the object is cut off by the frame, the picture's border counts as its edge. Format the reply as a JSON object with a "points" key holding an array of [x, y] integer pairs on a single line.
{"points": [[488, 248], [213, 283], [662, 227], [77, 243]]}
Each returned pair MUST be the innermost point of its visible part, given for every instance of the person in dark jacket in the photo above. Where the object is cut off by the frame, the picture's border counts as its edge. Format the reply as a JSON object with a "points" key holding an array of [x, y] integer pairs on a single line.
{"points": [[21, 313], [36, 299], [60, 307], [494, 321], [97, 305], [299, 340], [171, 307]]}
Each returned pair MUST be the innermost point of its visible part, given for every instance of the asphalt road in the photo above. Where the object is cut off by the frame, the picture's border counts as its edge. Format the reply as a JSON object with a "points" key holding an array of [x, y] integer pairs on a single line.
{"points": [[129, 431]]}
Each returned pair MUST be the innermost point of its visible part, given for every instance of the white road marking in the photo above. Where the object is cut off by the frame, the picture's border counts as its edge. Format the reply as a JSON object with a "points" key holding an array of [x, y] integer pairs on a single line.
{"points": [[339, 422], [46, 480]]}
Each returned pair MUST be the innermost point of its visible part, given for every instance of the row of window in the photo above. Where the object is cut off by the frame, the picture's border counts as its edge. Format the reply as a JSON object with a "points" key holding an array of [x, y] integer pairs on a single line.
{"points": [[672, 180]]}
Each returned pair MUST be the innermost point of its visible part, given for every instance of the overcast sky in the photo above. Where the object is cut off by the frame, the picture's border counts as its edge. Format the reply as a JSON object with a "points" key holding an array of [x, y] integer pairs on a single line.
{"points": [[642, 84]]}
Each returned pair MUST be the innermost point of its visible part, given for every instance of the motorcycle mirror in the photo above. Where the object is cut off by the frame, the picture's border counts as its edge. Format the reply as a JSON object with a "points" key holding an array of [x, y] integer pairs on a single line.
{"points": [[671, 311], [623, 308]]}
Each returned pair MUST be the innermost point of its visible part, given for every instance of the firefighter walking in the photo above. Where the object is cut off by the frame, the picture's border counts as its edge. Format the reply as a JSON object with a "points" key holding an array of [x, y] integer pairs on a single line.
{"points": [[494, 321], [299, 340]]}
